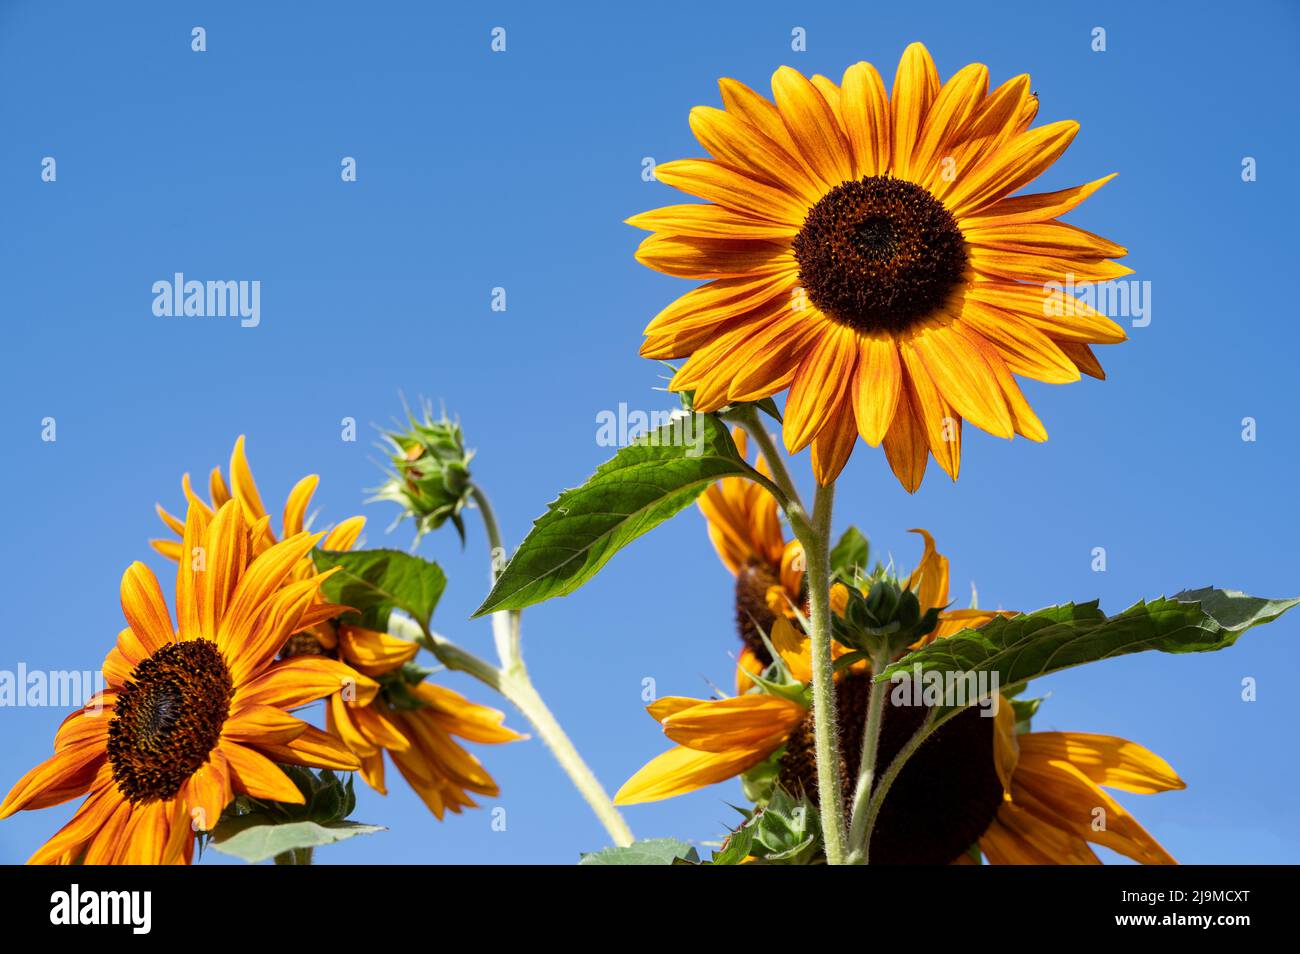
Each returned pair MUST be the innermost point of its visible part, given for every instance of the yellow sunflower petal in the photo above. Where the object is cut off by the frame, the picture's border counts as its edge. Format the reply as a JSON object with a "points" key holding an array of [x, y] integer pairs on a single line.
{"points": [[374, 653], [686, 257], [710, 221], [682, 770], [1107, 760], [256, 775], [1028, 209], [1024, 348], [295, 507], [905, 444], [738, 722], [820, 386], [739, 144], [963, 377], [916, 84], [1019, 162], [834, 443], [947, 118], [145, 608], [864, 106], [245, 489], [813, 126], [876, 388], [939, 421], [715, 182]]}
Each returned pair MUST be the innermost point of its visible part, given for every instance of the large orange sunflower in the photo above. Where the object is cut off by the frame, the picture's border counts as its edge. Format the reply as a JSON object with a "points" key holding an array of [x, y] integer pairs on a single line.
{"points": [[197, 712], [863, 250], [417, 733]]}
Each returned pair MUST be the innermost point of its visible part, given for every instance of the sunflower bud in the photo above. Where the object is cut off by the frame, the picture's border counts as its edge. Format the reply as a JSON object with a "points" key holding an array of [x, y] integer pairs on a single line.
{"points": [[430, 478], [888, 617]]}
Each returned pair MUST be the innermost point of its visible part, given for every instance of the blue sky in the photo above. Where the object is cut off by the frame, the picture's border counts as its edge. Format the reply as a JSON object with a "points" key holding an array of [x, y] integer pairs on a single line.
{"points": [[516, 169]]}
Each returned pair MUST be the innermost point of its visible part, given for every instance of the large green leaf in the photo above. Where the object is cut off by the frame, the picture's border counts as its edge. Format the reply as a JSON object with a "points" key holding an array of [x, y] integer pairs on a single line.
{"points": [[1049, 640], [253, 838], [651, 851], [646, 483], [375, 582]]}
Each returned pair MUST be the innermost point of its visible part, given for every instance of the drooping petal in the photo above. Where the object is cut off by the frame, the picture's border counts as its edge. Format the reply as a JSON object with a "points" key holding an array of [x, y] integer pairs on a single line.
{"points": [[682, 770], [256, 775], [1106, 760], [905, 444], [738, 722]]}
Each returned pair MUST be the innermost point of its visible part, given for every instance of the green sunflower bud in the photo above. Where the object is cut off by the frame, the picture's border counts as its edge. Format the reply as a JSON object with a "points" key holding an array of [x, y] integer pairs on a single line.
{"points": [[887, 618], [430, 480]]}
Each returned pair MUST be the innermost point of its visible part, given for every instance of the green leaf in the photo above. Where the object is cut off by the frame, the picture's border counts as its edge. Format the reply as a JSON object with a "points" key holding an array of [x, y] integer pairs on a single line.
{"points": [[737, 847], [850, 552], [651, 851], [375, 582], [1049, 640], [254, 838], [645, 484]]}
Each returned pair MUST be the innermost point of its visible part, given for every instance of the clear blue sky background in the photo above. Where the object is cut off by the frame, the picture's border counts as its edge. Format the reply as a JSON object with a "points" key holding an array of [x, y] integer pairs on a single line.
{"points": [[479, 170]]}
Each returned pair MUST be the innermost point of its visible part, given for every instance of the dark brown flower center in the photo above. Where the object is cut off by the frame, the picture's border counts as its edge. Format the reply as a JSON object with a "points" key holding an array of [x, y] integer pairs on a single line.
{"points": [[879, 254], [941, 802], [168, 718], [753, 616]]}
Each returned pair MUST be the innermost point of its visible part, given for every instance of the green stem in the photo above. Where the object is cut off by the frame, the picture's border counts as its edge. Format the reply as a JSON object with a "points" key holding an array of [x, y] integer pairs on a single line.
{"points": [[815, 535], [867, 765], [862, 850], [526, 699], [505, 624], [518, 689], [747, 417], [511, 680], [816, 544]]}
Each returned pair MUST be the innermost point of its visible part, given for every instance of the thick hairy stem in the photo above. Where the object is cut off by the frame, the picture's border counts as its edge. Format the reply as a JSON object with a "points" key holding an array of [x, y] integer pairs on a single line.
{"points": [[815, 535], [816, 544]]}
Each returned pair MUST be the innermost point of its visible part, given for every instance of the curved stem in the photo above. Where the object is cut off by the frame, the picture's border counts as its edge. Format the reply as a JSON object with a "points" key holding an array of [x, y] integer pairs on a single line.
{"points": [[505, 624], [512, 681], [527, 700], [867, 765], [519, 690], [747, 417], [862, 852], [816, 544]]}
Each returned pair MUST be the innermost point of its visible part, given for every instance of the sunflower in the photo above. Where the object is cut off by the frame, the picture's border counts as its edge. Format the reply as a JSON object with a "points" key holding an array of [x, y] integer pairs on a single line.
{"points": [[418, 732], [196, 713], [863, 250], [1031, 797], [745, 527]]}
